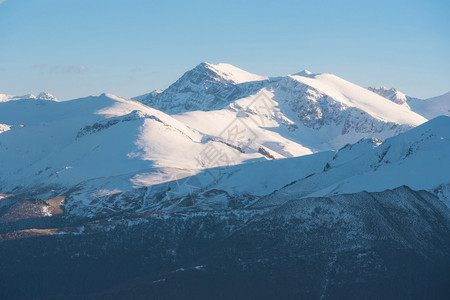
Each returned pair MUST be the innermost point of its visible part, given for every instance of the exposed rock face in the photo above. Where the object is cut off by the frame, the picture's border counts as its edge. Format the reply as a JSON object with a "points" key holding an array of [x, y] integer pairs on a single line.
{"points": [[391, 94], [316, 110], [201, 88]]}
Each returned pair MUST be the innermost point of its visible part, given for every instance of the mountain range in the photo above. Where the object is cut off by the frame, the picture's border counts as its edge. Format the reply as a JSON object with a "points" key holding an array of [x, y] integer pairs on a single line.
{"points": [[337, 175]]}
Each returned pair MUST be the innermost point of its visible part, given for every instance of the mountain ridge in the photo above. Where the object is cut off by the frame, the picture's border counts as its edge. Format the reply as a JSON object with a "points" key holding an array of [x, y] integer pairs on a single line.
{"points": [[40, 96], [247, 120], [429, 108]]}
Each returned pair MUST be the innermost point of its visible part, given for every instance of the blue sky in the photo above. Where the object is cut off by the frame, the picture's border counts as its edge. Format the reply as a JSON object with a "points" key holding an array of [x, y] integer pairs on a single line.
{"points": [[75, 48]]}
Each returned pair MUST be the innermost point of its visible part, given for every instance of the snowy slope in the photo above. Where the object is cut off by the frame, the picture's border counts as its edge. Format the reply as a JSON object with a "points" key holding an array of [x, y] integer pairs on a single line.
{"points": [[234, 74], [333, 112], [61, 144], [103, 153], [432, 107], [417, 158], [391, 94], [428, 108], [351, 95], [95, 148]]}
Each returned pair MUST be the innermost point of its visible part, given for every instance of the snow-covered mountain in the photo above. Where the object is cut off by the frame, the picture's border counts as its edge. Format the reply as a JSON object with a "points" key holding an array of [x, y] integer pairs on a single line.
{"points": [[41, 96], [65, 143], [429, 108], [6, 98], [223, 178], [432, 107], [417, 158], [391, 94], [206, 87], [104, 146], [107, 153], [317, 111]]}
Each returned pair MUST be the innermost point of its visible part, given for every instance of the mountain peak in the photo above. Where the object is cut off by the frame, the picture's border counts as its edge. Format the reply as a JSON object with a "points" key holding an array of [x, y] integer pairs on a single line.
{"points": [[205, 87], [46, 96], [304, 73], [232, 73], [390, 93]]}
